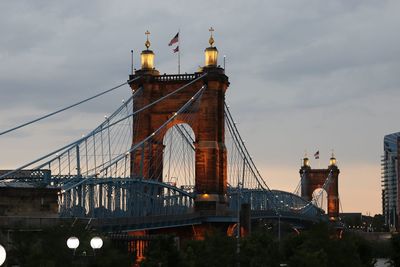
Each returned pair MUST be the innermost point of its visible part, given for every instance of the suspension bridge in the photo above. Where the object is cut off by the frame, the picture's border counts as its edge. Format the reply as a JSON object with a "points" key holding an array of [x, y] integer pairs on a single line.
{"points": [[170, 155]]}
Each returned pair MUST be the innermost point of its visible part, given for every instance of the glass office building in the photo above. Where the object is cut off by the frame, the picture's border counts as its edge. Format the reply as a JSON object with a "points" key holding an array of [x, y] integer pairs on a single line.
{"points": [[390, 179]]}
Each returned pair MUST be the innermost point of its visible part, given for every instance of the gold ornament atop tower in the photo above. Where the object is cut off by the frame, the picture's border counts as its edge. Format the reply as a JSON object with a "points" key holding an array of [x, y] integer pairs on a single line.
{"points": [[332, 160], [211, 40], [147, 56], [306, 161], [211, 53]]}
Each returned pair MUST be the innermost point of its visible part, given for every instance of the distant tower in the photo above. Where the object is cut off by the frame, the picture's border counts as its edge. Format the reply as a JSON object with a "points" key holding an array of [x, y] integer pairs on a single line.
{"points": [[315, 178], [390, 179], [208, 127]]}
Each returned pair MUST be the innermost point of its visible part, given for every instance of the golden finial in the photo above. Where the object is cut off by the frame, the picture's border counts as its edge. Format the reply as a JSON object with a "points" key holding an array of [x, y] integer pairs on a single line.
{"points": [[332, 161], [211, 40], [147, 43]]}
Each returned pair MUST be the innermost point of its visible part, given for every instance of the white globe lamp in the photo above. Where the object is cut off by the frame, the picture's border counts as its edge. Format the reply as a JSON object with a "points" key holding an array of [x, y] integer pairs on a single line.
{"points": [[2, 255], [73, 242], [96, 242]]}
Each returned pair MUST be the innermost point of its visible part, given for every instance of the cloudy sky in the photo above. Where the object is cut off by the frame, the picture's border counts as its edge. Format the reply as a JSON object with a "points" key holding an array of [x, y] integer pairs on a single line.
{"points": [[305, 75]]}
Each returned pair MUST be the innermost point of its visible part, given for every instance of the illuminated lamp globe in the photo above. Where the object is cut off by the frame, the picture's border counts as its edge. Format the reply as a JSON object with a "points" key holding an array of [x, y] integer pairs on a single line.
{"points": [[73, 242], [306, 162], [96, 242], [3, 255], [211, 56], [147, 59]]}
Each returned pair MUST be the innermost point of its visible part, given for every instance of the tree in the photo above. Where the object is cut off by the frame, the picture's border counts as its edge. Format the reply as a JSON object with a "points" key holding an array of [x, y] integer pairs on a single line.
{"points": [[320, 246], [47, 248], [214, 251], [395, 255], [259, 249], [162, 252]]}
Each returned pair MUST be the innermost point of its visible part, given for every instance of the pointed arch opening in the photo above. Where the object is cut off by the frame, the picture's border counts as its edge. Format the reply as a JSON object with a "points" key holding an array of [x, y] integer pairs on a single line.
{"points": [[320, 199], [179, 156]]}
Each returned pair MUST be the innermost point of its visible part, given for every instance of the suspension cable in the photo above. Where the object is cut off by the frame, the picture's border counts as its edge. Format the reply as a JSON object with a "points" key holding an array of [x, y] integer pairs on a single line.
{"points": [[137, 145], [248, 156], [97, 130], [68, 107]]}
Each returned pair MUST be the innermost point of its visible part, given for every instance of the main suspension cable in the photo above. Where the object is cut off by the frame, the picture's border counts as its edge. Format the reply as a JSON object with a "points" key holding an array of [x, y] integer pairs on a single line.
{"points": [[4, 176], [66, 108]]}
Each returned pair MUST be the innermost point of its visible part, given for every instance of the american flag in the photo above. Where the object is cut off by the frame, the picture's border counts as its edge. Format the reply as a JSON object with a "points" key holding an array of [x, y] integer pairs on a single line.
{"points": [[176, 49], [174, 40]]}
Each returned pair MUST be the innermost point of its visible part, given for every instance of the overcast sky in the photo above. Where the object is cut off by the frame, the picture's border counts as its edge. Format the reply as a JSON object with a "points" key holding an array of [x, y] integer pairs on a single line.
{"points": [[305, 75]]}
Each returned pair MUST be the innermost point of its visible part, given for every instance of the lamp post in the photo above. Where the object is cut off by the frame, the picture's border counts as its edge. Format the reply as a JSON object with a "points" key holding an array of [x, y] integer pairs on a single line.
{"points": [[73, 243], [238, 224], [96, 243], [3, 255]]}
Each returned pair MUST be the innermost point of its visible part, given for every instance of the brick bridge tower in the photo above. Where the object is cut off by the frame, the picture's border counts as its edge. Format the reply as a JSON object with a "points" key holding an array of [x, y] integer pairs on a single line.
{"points": [[315, 178], [208, 127]]}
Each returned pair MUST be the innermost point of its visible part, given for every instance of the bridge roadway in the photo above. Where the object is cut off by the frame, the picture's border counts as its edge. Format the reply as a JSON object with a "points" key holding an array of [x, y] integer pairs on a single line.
{"points": [[124, 224], [173, 208]]}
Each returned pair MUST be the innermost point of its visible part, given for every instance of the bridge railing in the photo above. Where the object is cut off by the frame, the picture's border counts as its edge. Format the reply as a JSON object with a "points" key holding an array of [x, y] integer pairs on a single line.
{"points": [[124, 197]]}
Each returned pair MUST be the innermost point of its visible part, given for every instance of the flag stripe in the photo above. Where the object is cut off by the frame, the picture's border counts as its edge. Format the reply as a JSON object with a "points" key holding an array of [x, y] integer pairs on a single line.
{"points": [[174, 40]]}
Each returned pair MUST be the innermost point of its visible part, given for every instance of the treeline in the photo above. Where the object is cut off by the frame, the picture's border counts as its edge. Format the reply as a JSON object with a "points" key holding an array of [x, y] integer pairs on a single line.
{"points": [[47, 248], [319, 246]]}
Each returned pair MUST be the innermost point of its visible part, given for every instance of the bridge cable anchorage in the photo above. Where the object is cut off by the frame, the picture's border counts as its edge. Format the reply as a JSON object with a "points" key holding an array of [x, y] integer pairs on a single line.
{"points": [[99, 129], [68, 107], [141, 143]]}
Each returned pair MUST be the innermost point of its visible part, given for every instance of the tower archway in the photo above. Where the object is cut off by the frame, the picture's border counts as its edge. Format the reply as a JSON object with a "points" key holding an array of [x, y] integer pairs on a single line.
{"points": [[179, 156], [313, 179]]}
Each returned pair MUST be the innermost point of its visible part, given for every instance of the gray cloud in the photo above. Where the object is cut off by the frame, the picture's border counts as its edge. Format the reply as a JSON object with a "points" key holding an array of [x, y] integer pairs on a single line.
{"points": [[304, 74]]}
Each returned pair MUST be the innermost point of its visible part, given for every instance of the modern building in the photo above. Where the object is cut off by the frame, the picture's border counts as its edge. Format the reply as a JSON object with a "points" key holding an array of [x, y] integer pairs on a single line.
{"points": [[390, 179]]}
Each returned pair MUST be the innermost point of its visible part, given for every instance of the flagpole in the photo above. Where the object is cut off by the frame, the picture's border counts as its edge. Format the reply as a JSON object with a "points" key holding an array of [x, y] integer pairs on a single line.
{"points": [[179, 51]]}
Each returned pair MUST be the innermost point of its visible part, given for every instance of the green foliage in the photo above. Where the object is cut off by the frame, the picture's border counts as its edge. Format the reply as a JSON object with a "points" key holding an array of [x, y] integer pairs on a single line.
{"points": [[162, 252], [378, 223], [320, 247], [395, 255], [259, 249], [47, 248], [215, 250]]}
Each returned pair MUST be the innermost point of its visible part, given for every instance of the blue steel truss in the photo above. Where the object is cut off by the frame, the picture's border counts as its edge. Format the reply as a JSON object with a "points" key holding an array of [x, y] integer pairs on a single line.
{"points": [[94, 174]]}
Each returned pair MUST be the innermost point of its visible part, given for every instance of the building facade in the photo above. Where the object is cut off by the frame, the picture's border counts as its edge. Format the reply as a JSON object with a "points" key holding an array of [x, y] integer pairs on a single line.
{"points": [[390, 179]]}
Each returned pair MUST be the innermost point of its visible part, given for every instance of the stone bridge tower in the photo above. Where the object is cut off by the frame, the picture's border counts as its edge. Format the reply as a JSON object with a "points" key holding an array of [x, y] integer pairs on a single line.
{"points": [[315, 178], [208, 127]]}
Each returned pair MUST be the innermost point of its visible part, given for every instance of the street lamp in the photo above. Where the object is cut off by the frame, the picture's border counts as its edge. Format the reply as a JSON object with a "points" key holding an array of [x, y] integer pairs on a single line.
{"points": [[73, 243], [3, 255], [238, 223], [96, 243]]}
